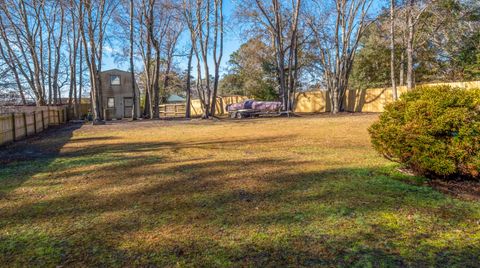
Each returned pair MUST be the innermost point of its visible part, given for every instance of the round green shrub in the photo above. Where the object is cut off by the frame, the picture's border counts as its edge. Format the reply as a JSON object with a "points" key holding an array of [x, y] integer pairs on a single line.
{"points": [[435, 131]]}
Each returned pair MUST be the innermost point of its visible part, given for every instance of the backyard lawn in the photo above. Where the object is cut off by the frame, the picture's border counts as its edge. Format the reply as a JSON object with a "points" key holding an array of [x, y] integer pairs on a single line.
{"points": [[306, 191]]}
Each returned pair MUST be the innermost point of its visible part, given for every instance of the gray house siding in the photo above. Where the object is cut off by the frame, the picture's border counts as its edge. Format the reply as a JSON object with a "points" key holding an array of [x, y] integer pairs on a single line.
{"points": [[121, 94]]}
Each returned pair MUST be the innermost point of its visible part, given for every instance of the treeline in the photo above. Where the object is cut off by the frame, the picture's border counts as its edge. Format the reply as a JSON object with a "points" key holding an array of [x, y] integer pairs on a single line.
{"points": [[432, 41], [440, 43], [48, 45], [53, 51]]}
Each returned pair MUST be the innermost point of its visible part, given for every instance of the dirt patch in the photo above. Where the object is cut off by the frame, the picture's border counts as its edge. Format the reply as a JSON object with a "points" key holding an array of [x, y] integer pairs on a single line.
{"points": [[41, 145], [463, 189], [468, 190]]}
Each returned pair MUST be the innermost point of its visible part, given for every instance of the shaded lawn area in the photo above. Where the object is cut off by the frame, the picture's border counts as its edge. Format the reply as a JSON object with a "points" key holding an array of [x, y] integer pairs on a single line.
{"points": [[269, 192]]}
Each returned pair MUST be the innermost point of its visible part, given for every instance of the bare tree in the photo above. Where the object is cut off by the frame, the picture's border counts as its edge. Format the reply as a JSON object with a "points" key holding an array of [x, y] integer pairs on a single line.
{"points": [[9, 61], [132, 66], [171, 40], [278, 21], [145, 47], [53, 16], [80, 74], [73, 46], [413, 14], [197, 16], [203, 38], [57, 42], [32, 37], [217, 57], [155, 23], [392, 49], [94, 17], [336, 36], [188, 86], [20, 30], [156, 77], [410, 39]]}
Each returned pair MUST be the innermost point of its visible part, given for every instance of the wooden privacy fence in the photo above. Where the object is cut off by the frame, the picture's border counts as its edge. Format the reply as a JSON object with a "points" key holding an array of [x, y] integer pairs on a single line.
{"points": [[366, 100], [83, 109], [177, 110], [26, 121], [221, 104], [173, 110]]}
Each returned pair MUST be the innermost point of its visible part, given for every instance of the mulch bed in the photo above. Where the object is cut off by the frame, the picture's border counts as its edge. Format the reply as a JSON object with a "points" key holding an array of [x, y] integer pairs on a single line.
{"points": [[460, 188], [464, 189]]}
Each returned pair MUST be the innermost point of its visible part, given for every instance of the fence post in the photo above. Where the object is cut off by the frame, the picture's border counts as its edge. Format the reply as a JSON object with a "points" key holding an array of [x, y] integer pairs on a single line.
{"points": [[58, 116], [25, 124], [13, 127], [43, 122], [35, 122]]}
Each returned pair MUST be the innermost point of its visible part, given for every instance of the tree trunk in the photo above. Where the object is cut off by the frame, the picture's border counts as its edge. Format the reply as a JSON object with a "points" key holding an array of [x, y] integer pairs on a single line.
{"points": [[402, 68], [150, 89], [146, 109], [80, 80], [147, 113], [58, 46], [335, 101], [134, 92], [73, 67], [392, 49], [52, 98], [156, 84], [218, 15], [411, 32], [204, 47], [94, 39], [280, 53], [189, 90]]}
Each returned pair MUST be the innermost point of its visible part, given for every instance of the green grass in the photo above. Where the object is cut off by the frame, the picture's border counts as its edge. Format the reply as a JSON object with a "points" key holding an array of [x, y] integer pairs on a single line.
{"points": [[271, 192]]}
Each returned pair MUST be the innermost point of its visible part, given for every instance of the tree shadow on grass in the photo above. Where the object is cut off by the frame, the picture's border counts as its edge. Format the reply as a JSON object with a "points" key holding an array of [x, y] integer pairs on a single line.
{"points": [[205, 212], [23, 159], [127, 204]]}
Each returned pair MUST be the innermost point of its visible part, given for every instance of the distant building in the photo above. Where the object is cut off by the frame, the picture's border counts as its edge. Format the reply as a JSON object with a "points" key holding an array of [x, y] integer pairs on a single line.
{"points": [[175, 99], [117, 94], [13, 98]]}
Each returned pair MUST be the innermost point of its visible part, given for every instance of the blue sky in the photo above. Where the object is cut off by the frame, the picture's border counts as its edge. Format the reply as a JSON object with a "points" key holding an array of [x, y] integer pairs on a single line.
{"points": [[232, 41]]}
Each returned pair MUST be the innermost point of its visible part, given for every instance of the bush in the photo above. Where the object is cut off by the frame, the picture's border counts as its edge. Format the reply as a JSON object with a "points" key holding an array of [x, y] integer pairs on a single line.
{"points": [[435, 131]]}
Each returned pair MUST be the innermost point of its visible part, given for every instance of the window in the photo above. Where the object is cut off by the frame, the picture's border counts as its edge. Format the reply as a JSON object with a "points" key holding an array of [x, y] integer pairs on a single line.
{"points": [[115, 80], [128, 102], [110, 103]]}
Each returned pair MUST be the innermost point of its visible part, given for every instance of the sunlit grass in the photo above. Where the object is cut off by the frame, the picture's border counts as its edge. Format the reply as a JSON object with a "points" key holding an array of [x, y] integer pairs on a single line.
{"points": [[285, 191]]}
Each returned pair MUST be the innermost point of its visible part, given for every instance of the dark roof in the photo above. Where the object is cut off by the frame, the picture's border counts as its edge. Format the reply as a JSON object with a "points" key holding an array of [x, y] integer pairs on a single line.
{"points": [[175, 98], [115, 70]]}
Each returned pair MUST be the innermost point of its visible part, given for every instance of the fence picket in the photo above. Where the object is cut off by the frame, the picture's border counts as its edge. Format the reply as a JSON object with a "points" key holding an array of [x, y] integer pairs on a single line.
{"points": [[34, 122], [14, 134], [25, 124], [25, 116]]}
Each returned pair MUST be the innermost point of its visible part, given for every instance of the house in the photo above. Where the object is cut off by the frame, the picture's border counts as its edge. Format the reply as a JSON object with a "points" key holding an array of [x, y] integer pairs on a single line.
{"points": [[117, 97], [174, 98]]}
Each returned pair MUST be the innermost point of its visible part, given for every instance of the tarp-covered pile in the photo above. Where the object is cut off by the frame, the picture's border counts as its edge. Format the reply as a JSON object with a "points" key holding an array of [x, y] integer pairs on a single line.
{"points": [[268, 106]]}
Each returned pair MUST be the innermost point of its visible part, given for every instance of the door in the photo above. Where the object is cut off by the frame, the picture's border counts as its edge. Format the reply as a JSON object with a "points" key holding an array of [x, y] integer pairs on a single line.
{"points": [[127, 107]]}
